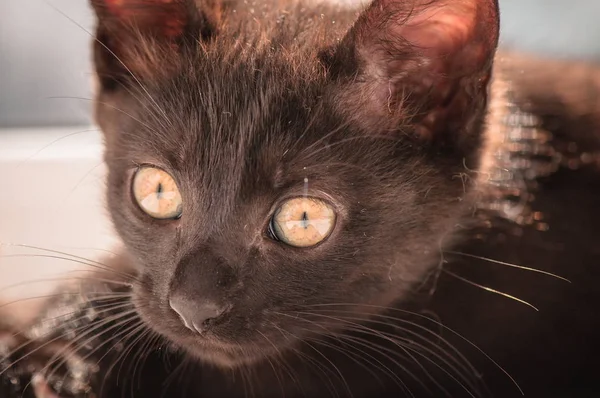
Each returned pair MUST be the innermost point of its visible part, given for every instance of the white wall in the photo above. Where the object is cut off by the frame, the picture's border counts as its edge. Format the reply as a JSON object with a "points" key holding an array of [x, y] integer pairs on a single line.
{"points": [[51, 196]]}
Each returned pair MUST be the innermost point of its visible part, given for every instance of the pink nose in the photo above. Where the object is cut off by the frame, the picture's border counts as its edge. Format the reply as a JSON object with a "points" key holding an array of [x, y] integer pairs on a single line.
{"points": [[197, 316]]}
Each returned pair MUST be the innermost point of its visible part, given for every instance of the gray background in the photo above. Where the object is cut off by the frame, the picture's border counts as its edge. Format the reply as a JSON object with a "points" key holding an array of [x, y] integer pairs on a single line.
{"points": [[43, 54]]}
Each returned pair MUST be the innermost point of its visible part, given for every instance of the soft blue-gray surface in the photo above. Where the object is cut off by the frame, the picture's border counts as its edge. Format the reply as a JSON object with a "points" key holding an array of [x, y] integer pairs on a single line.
{"points": [[43, 54], [565, 28]]}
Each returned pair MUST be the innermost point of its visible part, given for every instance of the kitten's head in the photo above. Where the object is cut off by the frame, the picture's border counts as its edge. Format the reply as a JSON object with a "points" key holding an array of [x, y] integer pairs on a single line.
{"points": [[266, 165]]}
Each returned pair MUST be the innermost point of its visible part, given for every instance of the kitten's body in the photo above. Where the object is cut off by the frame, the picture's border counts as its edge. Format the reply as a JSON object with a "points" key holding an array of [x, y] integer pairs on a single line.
{"points": [[546, 221], [551, 352]]}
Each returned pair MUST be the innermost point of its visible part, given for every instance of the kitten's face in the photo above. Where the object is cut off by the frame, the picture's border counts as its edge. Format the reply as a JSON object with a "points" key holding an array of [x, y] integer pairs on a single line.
{"points": [[252, 198]]}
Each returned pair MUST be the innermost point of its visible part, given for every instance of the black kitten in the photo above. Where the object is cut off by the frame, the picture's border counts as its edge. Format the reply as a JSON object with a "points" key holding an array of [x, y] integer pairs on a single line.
{"points": [[311, 199]]}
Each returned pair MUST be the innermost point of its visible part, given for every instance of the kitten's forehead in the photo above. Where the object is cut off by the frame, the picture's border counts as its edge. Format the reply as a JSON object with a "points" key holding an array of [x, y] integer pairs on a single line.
{"points": [[241, 111], [229, 140]]}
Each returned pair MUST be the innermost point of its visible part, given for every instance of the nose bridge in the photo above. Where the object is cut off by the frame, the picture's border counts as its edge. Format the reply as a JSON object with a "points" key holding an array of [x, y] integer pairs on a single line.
{"points": [[216, 229], [202, 276], [220, 184]]}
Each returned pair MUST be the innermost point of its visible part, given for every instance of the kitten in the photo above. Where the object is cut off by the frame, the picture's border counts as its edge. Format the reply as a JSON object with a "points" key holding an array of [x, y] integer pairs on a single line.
{"points": [[316, 201]]}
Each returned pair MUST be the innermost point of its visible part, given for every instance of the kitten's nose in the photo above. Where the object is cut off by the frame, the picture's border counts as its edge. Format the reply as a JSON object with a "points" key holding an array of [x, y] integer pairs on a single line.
{"points": [[198, 316]]}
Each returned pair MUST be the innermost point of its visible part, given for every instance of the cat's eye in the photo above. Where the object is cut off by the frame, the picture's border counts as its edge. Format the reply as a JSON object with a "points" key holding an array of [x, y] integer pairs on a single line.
{"points": [[156, 193], [303, 222]]}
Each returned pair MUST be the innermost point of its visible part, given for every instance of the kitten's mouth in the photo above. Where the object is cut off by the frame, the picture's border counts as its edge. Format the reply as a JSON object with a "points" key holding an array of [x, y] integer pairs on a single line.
{"points": [[223, 353], [213, 348]]}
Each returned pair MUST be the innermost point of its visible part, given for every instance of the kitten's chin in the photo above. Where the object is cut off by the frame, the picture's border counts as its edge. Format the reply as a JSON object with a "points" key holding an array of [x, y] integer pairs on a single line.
{"points": [[226, 358], [221, 354], [212, 350]]}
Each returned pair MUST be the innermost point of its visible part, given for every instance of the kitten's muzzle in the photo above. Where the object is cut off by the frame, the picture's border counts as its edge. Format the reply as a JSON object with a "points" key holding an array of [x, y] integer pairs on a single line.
{"points": [[198, 317]]}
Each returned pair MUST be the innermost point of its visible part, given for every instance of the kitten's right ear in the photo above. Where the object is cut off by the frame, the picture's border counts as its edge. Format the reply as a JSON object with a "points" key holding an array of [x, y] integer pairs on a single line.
{"points": [[141, 39]]}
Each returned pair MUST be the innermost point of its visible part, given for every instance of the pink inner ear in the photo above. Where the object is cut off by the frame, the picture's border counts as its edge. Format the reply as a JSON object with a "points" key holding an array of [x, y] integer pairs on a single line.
{"points": [[443, 28], [460, 33], [464, 30]]}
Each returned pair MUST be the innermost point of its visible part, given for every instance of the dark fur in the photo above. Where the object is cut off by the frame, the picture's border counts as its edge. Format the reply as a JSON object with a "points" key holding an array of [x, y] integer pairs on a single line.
{"points": [[241, 103], [246, 123]]}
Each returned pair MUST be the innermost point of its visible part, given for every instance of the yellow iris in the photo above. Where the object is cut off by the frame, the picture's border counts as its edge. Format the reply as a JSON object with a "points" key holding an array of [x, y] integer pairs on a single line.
{"points": [[303, 222], [156, 193]]}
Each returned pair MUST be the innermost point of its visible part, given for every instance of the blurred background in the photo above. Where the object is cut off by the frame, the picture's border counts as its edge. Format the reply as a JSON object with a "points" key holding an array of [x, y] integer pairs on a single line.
{"points": [[51, 171], [43, 54]]}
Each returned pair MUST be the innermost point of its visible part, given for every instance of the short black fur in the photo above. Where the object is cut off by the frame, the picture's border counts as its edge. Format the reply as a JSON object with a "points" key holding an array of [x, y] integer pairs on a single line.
{"points": [[395, 117]]}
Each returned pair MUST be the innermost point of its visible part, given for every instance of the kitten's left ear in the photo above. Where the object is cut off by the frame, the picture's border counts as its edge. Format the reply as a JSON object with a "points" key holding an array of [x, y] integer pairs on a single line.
{"points": [[144, 38], [427, 60]]}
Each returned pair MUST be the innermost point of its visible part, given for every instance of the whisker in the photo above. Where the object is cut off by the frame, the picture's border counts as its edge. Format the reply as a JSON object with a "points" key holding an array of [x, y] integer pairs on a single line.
{"points": [[64, 279], [314, 119], [68, 316], [84, 177], [356, 358], [466, 365], [489, 289], [94, 326], [290, 369], [96, 249], [539, 271], [271, 363], [178, 371], [244, 374], [139, 323], [75, 344], [70, 259], [108, 106], [441, 325], [370, 359], [251, 379], [71, 321], [322, 355], [126, 352], [45, 344], [125, 333], [151, 110], [135, 78], [344, 141], [343, 165], [382, 350], [337, 370], [275, 372], [98, 264], [56, 141], [146, 337], [345, 352], [45, 296], [361, 328], [130, 332], [284, 363], [323, 370], [147, 349], [410, 346]]}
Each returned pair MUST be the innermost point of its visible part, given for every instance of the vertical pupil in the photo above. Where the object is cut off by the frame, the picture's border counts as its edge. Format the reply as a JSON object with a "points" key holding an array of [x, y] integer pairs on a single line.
{"points": [[159, 190], [304, 219]]}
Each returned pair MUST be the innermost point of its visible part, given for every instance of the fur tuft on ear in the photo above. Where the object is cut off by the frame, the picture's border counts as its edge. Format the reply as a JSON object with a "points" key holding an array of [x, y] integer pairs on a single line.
{"points": [[144, 38], [424, 59]]}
